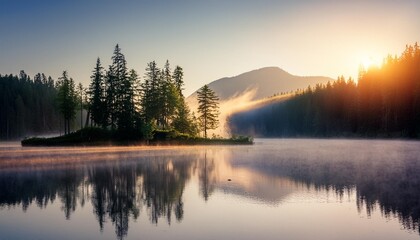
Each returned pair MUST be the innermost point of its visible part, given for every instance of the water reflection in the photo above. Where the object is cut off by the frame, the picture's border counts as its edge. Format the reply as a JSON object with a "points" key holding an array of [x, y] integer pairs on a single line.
{"points": [[125, 185], [383, 173], [207, 176], [117, 190]]}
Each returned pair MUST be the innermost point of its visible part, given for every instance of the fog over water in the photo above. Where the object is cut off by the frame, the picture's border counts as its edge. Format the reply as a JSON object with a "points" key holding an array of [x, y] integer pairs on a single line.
{"points": [[289, 188]]}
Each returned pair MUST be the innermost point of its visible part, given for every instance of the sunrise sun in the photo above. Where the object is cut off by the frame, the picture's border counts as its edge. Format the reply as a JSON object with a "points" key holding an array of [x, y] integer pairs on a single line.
{"points": [[369, 62]]}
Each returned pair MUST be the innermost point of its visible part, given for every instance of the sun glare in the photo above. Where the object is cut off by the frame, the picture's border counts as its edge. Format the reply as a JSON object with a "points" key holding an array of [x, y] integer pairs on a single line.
{"points": [[369, 62]]}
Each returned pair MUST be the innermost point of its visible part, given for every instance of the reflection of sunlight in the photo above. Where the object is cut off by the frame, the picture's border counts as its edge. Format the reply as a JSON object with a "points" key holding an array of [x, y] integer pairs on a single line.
{"points": [[170, 166], [17, 157], [253, 184], [246, 181]]}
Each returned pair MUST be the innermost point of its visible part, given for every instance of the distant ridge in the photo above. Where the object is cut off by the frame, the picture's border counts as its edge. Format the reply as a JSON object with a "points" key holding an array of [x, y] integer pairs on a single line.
{"points": [[265, 82]]}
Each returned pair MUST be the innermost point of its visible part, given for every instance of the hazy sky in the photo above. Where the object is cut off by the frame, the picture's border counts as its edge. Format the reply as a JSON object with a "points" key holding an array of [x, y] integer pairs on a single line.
{"points": [[209, 39]]}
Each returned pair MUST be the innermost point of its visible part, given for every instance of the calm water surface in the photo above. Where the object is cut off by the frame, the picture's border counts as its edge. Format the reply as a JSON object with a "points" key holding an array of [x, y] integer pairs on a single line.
{"points": [[275, 189]]}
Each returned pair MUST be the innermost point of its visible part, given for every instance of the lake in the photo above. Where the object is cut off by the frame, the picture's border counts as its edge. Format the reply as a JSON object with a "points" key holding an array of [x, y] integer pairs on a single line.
{"points": [[274, 189]]}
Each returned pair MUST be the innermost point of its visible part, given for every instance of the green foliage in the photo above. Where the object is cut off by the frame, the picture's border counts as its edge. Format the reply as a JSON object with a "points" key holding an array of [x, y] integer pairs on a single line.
{"points": [[100, 136], [184, 121], [208, 109], [81, 95], [119, 92], [113, 95], [97, 95], [126, 116], [162, 102], [27, 106], [178, 76], [147, 130], [168, 98], [162, 135], [150, 93], [84, 136], [119, 101], [175, 137], [67, 99]]}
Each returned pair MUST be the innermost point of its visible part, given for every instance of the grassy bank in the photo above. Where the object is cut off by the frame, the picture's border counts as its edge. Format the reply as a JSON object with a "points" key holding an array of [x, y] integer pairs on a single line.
{"points": [[102, 137]]}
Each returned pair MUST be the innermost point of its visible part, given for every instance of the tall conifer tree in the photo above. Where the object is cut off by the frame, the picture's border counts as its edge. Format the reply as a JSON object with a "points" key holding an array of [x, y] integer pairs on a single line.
{"points": [[117, 87], [97, 95], [150, 93], [178, 76], [208, 109], [67, 99]]}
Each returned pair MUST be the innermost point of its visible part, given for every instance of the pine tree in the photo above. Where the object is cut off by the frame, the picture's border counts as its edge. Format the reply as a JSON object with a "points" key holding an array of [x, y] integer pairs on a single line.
{"points": [[26, 107], [97, 95], [136, 99], [208, 109], [178, 79], [122, 86], [163, 103], [80, 95], [169, 97], [150, 94], [183, 121], [174, 101], [110, 103], [117, 87], [137, 90], [66, 100], [127, 113]]}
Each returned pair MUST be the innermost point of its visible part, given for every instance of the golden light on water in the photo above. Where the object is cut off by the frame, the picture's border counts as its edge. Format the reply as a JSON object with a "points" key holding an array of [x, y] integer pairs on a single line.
{"points": [[15, 157]]}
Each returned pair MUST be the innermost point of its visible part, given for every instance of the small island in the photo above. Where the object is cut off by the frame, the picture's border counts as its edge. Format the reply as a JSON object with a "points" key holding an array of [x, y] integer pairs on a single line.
{"points": [[122, 110], [100, 137]]}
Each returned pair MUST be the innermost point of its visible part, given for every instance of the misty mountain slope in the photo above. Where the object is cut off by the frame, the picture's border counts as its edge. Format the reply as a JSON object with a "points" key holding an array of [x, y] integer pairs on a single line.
{"points": [[263, 82], [253, 90]]}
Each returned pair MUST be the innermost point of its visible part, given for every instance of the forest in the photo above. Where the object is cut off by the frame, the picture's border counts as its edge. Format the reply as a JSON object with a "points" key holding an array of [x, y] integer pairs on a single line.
{"points": [[385, 102], [28, 106], [119, 101], [116, 101]]}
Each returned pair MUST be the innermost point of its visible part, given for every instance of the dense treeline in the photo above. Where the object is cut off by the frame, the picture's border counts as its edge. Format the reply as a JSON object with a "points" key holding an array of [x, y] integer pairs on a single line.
{"points": [[384, 103], [27, 106], [119, 101], [115, 100]]}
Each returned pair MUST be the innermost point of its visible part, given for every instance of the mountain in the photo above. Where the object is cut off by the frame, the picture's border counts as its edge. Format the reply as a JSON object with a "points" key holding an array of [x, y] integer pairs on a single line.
{"points": [[264, 82], [251, 90]]}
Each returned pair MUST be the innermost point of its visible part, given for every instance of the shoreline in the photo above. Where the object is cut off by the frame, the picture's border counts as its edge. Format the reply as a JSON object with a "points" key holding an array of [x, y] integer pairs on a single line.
{"points": [[99, 137]]}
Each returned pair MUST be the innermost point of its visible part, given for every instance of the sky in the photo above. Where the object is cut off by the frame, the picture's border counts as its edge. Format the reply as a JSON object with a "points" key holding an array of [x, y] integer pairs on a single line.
{"points": [[208, 39]]}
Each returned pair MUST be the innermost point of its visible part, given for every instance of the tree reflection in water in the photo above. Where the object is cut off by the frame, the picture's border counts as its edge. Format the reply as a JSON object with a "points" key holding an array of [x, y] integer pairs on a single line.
{"points": [[207, 176], [389, 183], [114, 194], [117, 191], [163, 184], [154, 185]]}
